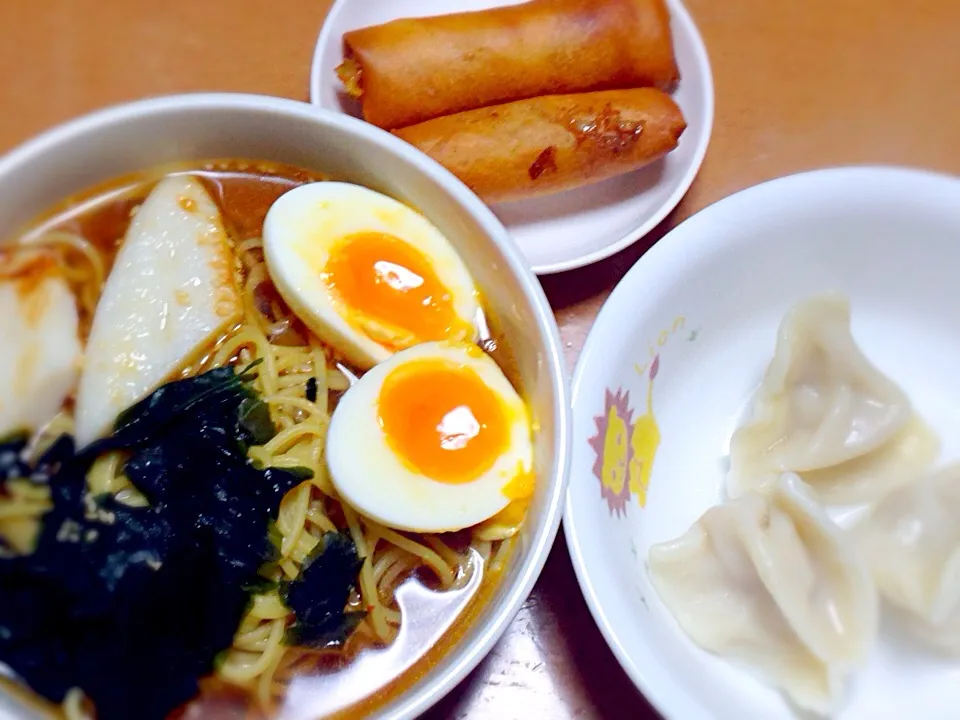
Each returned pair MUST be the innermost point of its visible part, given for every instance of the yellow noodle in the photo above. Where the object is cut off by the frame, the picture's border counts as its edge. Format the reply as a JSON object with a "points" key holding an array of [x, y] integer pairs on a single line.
{"points": [[337, 381], [289, 568], [285, 439], [250, 338], [288, 461], [22, 508], [253, 640], [241, 667], [322, 379], [292, 519], [304, 548], [484, 549], [316, 516], [20, 514], [387, 559], [295, 403], [265, 681], [370, 597], [269, 606], [106, 474], [501, 554], [391, 577], [429, 557], [451, 557]]}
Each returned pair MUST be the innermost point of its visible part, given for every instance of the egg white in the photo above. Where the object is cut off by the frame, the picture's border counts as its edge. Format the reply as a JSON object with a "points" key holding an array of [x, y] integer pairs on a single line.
{"points": [[304, 225], [369, 476]]}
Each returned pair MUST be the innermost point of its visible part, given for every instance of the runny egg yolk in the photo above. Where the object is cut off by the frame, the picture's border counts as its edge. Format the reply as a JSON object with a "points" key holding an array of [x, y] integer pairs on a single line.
{"points": [[443, 420], [384, 279]]}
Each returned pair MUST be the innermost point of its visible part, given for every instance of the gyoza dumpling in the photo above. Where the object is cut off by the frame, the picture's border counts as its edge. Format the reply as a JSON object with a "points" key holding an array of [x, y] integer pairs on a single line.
{"points": [[769, 580], [911, 541], [824, 412]]}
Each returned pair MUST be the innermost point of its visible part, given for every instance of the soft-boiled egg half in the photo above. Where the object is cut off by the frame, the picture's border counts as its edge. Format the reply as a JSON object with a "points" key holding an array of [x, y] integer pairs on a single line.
{"points": [[366, 273], [435, 439]]}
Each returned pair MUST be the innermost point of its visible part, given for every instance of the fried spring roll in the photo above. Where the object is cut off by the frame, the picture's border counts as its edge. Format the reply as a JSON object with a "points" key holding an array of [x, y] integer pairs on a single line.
{"points": [[552, 143], [408, 71]]}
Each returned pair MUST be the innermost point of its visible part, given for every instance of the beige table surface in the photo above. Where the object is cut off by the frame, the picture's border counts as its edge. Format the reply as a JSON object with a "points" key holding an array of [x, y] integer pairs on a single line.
{"points": [[800, 84]]}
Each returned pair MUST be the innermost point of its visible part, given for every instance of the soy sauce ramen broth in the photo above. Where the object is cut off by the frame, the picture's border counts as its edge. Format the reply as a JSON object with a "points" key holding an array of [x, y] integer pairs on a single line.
{"points": [[244, 192]]}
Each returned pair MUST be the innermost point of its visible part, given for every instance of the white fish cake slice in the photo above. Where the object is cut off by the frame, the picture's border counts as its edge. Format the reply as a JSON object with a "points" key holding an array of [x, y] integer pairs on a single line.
{"points": [[170, 294], [40, 361]]}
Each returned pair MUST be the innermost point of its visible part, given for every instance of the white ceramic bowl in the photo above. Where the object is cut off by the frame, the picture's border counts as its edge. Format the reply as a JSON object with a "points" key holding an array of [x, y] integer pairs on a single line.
{"points": [[707, 300], [136, 136], [581, 226]]}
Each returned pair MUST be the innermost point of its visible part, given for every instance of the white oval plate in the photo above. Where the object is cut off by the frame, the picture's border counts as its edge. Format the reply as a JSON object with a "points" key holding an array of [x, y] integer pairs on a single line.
{"points": [[707, 301], [578, 227]]}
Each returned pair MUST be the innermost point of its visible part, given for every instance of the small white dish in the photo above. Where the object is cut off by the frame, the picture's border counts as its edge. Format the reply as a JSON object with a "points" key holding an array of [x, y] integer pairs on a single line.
{"points": [[706, 301], [578, 227]]}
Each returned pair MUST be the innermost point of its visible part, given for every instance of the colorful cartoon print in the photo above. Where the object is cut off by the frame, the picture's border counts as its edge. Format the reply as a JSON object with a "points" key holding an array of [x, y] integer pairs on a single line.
{"points": [[644, 442], [626, 448], [612, 447]]}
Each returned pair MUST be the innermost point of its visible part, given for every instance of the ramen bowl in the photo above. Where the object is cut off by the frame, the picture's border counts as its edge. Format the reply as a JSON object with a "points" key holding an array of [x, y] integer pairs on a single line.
{"points": [[670, 368], [126, 139]]}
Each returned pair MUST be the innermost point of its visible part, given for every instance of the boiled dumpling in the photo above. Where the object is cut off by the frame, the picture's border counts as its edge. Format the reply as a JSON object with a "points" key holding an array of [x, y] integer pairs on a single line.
{"points": [[824, 412], [902, 459], [769, 580], [911, 541]]}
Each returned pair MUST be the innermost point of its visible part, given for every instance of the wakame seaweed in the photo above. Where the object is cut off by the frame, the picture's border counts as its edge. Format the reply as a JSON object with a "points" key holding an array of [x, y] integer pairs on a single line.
{"points": [[319, 594], [134, 604]]}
